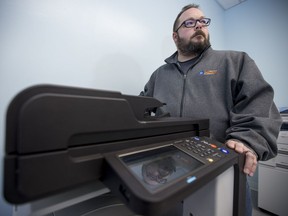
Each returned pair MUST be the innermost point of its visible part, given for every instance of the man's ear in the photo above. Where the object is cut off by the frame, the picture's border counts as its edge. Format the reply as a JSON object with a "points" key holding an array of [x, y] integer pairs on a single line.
{"points": [[175, 36]]}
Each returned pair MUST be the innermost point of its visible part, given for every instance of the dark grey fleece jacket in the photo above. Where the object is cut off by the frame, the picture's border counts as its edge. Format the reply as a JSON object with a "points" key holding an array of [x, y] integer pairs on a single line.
{"points": [[226, 87]]}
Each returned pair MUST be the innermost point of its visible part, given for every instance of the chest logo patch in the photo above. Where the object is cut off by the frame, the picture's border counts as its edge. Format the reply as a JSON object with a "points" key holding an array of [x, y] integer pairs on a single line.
{"points": [[208, 72]]}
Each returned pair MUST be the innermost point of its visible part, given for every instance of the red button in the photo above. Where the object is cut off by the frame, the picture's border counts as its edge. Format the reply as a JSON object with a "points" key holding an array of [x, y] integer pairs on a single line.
{"points": [[213, 145]]}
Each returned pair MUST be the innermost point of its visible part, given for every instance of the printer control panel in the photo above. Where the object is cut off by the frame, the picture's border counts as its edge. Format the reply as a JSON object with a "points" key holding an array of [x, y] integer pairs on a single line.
{"points": [[202, 148], [148, 177]]}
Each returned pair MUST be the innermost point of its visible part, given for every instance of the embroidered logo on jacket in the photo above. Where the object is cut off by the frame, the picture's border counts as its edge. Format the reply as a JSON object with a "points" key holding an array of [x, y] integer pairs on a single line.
{"points": [[208, 72]]}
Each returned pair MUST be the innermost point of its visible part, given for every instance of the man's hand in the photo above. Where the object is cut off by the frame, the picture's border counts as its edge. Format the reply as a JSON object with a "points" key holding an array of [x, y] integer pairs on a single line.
{"points": [[250, 157]]}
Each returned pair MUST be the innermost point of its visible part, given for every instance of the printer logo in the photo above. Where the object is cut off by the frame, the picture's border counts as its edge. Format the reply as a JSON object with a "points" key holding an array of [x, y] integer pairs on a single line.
{"points": [[208, 72]]}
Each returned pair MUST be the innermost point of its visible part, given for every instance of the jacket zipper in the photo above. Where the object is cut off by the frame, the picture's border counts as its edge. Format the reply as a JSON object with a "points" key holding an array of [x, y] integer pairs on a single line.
{"points": [[183, 89], [184, 80], [183, 93]]}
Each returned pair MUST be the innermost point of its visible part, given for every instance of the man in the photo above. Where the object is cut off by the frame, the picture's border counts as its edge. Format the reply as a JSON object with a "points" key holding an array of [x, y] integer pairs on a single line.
{"points": [[224, 86]]}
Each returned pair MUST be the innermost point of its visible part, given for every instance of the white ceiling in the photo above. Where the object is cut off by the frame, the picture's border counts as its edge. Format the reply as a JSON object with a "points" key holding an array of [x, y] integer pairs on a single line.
{"points": [[226, 4]]}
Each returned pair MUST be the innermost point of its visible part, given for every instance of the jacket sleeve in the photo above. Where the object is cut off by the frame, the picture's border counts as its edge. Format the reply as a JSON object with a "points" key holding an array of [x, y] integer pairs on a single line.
{"points": [[254, 118], [149, 87], [149, 92]]}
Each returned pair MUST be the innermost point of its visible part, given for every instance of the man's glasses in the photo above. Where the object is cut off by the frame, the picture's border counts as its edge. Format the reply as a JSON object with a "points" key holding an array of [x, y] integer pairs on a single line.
{"points": [[191, 23]]}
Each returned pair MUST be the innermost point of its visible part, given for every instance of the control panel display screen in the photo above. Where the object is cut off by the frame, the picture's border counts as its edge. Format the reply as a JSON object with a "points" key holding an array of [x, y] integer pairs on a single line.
{"points": [[156, 168]]}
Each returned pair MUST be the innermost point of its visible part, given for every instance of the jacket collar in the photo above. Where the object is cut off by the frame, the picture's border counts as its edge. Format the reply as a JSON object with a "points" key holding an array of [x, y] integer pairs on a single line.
{"points": [[173, 58]]}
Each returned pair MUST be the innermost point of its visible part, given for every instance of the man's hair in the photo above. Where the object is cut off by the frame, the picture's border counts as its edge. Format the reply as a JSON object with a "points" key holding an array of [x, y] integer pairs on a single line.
{"points": [[181, 12]]}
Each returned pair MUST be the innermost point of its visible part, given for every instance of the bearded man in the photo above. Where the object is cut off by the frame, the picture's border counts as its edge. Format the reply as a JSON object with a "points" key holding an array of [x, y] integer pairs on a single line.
{"points": [[223, 86]]}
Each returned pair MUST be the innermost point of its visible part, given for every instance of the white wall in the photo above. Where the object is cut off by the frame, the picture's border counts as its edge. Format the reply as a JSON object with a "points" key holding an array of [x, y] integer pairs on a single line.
{"points": [[101, 44], [116, 45]]}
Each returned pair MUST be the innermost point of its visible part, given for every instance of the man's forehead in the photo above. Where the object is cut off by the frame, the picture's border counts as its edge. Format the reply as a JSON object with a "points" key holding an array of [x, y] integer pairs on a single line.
{"points": [[191, 13]]}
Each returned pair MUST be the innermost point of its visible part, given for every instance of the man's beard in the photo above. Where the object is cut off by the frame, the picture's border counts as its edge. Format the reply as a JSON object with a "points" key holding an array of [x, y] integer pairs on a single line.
{"points": [[193, 48]]}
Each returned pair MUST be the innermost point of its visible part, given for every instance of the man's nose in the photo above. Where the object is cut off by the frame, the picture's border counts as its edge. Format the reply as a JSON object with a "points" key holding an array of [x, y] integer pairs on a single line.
{"points": [[198, 25]]}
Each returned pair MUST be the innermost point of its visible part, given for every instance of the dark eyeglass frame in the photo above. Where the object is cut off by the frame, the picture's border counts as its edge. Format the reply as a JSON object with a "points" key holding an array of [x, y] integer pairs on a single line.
{"points": [[206, 22]]}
